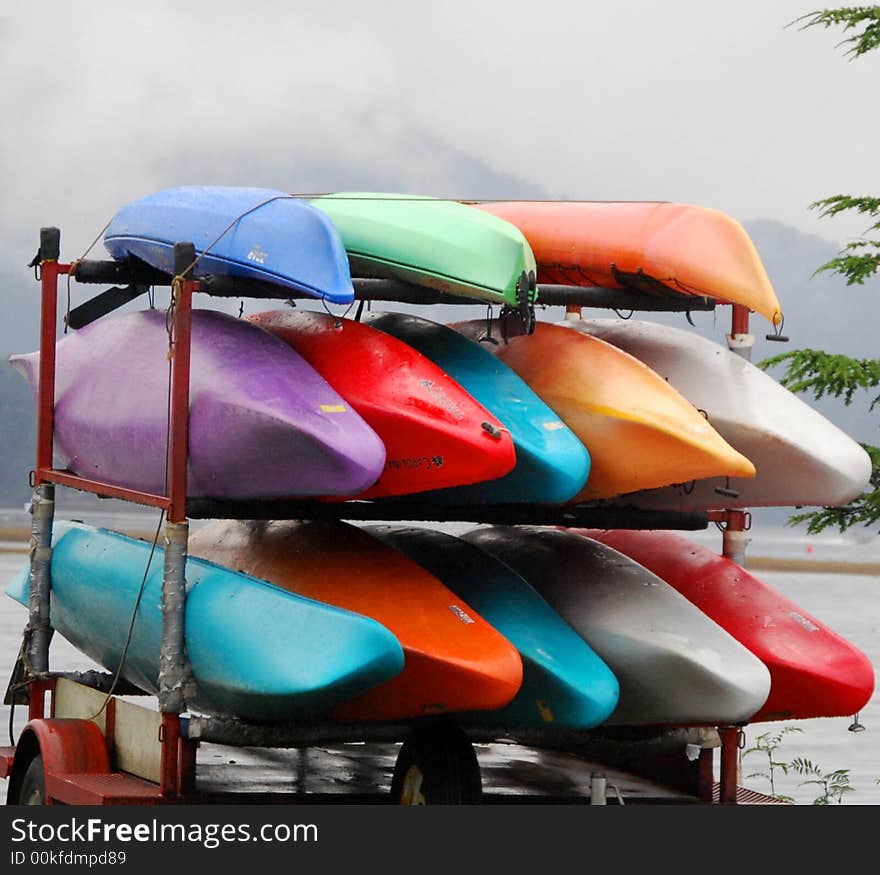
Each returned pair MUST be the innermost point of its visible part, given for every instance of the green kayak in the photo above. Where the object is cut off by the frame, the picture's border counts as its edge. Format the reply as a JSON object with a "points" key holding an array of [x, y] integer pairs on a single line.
{"points": [[427, 241]]}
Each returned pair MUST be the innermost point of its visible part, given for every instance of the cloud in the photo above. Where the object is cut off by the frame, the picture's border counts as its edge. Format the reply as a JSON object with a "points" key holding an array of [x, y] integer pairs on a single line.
{"points": [[634, 101]]}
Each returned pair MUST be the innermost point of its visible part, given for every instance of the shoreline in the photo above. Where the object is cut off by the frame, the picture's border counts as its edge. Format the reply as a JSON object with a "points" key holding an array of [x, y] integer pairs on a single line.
{"points": [[15, 540]]}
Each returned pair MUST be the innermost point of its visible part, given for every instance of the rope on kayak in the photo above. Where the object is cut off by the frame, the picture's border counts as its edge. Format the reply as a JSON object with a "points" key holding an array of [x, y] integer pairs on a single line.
{"points": [[72, 269], [137, 603], [169, 328], [216, 240], [338, 318]]}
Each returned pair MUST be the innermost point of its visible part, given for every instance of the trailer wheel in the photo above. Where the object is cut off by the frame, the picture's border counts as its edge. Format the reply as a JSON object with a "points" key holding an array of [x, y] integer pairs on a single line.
{"points": [[33, 784], [437, 766]]}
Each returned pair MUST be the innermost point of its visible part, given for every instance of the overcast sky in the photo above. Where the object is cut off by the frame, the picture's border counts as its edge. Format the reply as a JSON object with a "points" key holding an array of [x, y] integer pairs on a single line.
{"points": [[685, 100]]}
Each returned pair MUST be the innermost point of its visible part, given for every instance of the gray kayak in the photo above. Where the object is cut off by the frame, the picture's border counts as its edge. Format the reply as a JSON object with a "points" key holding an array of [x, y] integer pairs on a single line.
{"points": [[674, 664]]}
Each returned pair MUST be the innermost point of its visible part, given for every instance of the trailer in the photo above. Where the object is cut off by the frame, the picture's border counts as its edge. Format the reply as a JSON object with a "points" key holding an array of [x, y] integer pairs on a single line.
{"points": [[87, 743]]}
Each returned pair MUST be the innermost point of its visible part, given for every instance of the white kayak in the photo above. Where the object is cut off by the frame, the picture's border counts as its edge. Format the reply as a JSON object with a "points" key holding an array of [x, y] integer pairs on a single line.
{"points": [[674, 664], [801, 458]]}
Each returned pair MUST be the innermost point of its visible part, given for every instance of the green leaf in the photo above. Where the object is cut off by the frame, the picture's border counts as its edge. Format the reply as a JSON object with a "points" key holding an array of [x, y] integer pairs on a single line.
{"points": [[822, 373], [854, 268], [839, 203], [865, 20], [803, 766]]}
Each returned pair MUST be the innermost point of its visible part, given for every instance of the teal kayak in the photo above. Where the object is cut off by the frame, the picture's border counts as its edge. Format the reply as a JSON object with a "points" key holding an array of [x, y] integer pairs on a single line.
{"points": [[431, 242], [256, 651], [565, 683], [552, 465]]}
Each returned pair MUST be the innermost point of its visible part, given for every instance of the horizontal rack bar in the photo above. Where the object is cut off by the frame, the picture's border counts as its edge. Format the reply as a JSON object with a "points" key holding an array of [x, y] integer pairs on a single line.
{"points": [[639, 292], [102, 490], [585, 516], [222, 729]]}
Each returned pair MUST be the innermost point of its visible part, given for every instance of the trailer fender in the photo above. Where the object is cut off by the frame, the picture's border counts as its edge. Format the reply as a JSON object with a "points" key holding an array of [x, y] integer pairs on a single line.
{"points": [[67, 745]]}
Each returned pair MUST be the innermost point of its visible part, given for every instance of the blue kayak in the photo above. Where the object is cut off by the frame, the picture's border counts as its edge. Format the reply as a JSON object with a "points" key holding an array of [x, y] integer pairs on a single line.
{"points": [[552, 464], [264, 235], [565, 683], [257, 651]]}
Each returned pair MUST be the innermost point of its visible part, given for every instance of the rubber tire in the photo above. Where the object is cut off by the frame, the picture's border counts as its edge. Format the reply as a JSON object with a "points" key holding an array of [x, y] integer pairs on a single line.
{"points": [[437, 766], [33, 784]]}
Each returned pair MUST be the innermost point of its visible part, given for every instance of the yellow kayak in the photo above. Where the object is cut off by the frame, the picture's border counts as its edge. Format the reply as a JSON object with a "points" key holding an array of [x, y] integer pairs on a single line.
{"points": [[637, 428]]}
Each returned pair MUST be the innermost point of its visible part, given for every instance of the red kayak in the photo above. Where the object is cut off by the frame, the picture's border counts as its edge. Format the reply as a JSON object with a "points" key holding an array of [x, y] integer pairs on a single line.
{"points": [[814, 671], [436, 434]]}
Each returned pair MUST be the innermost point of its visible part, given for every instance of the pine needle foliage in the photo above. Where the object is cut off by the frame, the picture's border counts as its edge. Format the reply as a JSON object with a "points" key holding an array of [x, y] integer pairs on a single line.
{"points": [[822, 373], [864, 20]]}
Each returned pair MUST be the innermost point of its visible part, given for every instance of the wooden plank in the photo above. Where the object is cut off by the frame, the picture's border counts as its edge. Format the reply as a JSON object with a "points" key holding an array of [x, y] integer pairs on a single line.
{"points": [[134, 744]]}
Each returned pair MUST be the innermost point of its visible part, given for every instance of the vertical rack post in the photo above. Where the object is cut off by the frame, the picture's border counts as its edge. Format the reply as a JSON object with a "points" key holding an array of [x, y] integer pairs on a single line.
{"points": [[175, 678], [730, 737], [42, 506], [740, 342], [734, 540]]}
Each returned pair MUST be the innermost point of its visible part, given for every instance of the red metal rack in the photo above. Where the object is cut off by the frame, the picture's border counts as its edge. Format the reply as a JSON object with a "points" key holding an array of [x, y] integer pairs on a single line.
{"points": [[78, 768]]}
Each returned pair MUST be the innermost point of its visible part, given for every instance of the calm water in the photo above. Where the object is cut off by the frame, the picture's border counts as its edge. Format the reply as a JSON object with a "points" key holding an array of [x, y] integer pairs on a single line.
{"points": [[848, 603]]}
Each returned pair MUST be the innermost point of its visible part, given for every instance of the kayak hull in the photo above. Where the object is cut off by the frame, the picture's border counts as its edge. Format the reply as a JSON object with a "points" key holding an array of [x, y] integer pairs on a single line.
{"points": [[552, 465], [814, 671], [257, 652], [454, 660], [565, 683], [675, 666], [689, 249], [246, 233], [637, 428], [430, 242], [262, 422], [432, 429], [800, 457]]}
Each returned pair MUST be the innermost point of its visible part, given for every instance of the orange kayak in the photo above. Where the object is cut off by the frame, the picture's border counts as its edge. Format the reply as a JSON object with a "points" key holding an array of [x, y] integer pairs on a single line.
{"points": [[691, 250], [637, 428], [454, 660]]}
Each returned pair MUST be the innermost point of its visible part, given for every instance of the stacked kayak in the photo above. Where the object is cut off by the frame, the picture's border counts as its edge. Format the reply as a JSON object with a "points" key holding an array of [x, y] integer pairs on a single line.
{"points": [[565, 683], [435, 433], [800, 457], [256, 650], [690, 250], [262, 422], [674, 664], [504, 627], [439, 244], [243, 233], [454, 659], [814, 671], [640, 432], [551, 463]]}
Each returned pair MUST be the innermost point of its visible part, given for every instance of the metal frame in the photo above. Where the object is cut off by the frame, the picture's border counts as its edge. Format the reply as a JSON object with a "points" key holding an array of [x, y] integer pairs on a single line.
{"points": [[179, 740]]}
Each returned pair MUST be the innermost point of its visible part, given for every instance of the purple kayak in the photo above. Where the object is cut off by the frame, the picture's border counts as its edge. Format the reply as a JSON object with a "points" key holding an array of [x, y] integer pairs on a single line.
{"points": [[262, 422]]}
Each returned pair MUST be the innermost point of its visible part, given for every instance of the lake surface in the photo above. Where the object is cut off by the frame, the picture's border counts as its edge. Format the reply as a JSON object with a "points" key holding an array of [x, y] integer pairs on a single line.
{"points": [[848, 603]]}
